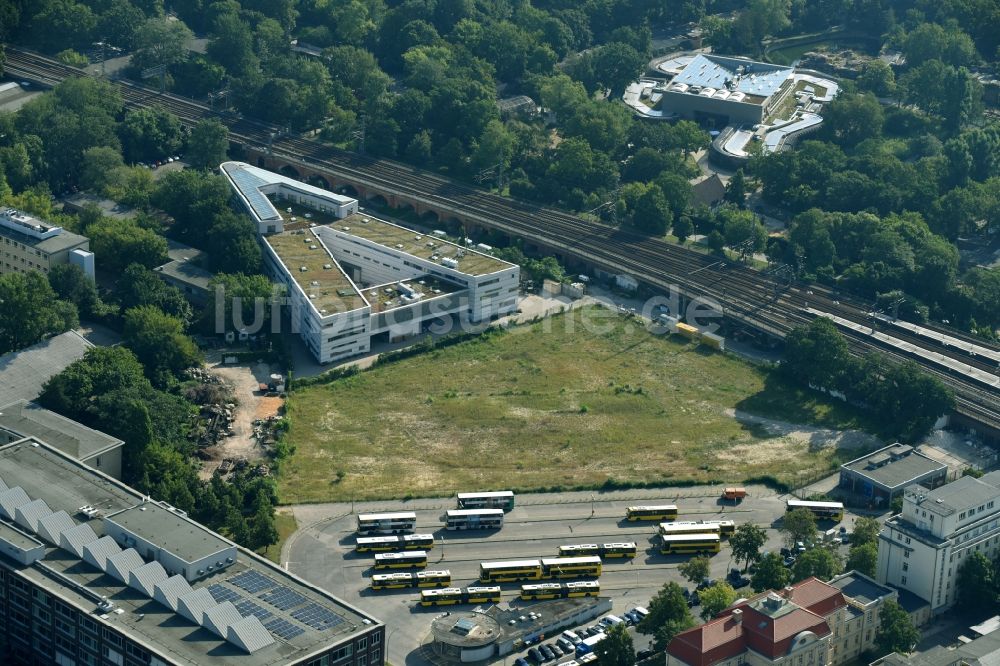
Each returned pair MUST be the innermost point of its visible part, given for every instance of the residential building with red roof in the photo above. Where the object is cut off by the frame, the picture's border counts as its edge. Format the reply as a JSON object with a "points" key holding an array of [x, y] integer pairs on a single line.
{"points": [[811, 623]]}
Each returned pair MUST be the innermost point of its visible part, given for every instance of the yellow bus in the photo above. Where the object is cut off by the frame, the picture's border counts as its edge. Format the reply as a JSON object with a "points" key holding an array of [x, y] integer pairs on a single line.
{"points": [[432, 578], [724, 528], [582, 588], [418, 541], [386, 523], [482, 594], [538, 591], [445, 597], [605, 550], [511, 570], [658, 512], [404, 560], [385, 544], [690, 544], [454, 595], [822, 510], [571, 567]]}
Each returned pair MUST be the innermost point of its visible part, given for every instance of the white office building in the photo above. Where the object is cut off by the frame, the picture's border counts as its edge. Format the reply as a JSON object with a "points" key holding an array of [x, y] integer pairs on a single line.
{"points": [[922, 548], [351, 276]]}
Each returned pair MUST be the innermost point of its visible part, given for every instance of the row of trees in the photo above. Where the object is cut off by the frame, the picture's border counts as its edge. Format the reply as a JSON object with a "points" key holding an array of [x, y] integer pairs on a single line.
{"points": [[907, 400]]}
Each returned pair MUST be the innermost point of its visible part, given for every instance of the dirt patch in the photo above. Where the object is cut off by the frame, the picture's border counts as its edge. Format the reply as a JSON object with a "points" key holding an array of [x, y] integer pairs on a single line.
{"points": [[251, 406], [816, 439]]}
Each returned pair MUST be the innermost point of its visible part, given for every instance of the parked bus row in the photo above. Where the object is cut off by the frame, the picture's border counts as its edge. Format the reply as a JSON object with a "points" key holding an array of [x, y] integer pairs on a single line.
{"points": [[546, 568], [625, 550], [822, 510], [456, 595], [574, 589], [384, 544], [398, 581], [407, 559], [405, 521], [724, 528]]}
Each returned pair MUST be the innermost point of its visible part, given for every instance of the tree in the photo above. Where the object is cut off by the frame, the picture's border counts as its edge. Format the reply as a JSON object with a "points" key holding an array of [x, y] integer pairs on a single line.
{"points": [[159, 343], [616, 649], [207, 145], [71, 284], [715, 599], [232, 45], [99, 165], [736, 189], [896, 632], [742, 229], [798, 525], [652, 213], [976, 586], [261, 528], [232, 244], [160, 42], [696, 569], [101, 371], [865, 531], [683, 228], [254, 293], [771, 573], [877, 78], [668, 615], [746, 543], [30, 311], [150, 134], [819, 562], [863, 558], [61, 23], [120, 242], [853, 118], [141, 286], [816, 355]]}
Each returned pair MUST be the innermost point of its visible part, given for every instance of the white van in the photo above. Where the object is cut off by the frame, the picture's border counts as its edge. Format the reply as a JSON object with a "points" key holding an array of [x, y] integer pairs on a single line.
{"points": [[571, 637], [611, 620], [641, 612]]}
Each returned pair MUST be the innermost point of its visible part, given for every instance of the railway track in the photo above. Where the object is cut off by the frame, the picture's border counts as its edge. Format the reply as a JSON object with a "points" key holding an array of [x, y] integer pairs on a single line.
{"points": [[740, 293]]}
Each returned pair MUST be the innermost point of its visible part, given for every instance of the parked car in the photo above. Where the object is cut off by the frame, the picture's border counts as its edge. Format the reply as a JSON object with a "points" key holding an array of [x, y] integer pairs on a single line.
{"points": [[785, 552], [694, 600], [535, 656], [644, 653], [705, 583], [737, 579], [789, 561], [556, 650], [565, 645], [521, 661], [547, 653]]}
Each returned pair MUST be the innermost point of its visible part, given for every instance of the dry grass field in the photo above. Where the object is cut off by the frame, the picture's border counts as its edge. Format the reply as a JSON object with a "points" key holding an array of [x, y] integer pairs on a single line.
{"points": [[556, 404]]}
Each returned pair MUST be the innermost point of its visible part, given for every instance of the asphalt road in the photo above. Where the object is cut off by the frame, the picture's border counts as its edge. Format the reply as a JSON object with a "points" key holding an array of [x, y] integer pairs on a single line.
{"points": [[322, 550]]}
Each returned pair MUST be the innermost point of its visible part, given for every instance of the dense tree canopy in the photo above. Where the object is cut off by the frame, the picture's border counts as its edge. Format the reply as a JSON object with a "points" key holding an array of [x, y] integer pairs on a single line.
{"points": [[30, 311]]}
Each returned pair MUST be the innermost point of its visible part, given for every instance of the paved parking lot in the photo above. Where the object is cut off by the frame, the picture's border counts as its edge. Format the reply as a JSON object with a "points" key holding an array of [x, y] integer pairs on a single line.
{"points": [[322, 550]]}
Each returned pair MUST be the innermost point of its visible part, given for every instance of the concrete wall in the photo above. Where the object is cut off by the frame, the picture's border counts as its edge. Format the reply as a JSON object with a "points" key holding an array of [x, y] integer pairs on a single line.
{"points": [[688, 105]]}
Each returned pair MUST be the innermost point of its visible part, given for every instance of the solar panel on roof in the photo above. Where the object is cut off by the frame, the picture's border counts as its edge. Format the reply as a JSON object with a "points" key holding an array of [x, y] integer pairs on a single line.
{"points": [[247, 607], [222, 593], [317, 617], [282, 628], [249, 184], [252, 581], [283, 598]]}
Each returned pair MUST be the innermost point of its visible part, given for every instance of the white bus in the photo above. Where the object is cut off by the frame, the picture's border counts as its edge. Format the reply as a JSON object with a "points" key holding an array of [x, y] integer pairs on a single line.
{"points": [[474, 519], [500, 499], [822, 510], [386, 523]]}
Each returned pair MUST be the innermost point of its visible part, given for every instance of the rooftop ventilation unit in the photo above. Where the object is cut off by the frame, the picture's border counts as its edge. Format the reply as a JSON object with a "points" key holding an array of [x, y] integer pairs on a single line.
{"points": [[327, 266], [303, 269]]}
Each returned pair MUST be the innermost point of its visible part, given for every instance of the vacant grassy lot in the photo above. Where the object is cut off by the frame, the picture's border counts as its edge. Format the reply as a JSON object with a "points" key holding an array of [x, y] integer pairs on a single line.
{"points": [[551, 404]]}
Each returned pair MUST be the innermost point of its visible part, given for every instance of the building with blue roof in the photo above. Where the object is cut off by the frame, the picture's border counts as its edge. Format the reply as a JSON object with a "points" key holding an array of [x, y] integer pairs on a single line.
{"points": [[736, 90]]}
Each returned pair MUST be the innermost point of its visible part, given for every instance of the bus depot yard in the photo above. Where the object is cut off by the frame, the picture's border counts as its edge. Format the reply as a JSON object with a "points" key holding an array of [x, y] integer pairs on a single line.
{"points": [[521, 405], [324, 551]]}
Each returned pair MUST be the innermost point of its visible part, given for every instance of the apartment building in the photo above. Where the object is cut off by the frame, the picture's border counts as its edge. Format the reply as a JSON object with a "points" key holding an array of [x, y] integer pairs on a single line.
{"points": [[28, 244], [351, 277], [92, 572], [922, 548], [810, 623]]}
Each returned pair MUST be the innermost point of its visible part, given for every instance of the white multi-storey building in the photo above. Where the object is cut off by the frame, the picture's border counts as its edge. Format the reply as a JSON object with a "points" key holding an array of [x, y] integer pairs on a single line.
{"points": [[29, 244], [922, 548], [351, 277]]}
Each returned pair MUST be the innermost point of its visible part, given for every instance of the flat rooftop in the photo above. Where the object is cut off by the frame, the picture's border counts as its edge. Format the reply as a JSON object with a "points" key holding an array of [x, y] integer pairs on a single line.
{"points": [[880, 468], [301, 618], [22, 373], [323, 280], [70, 437], [416, 243], [185, 538], [390, 296], [747, 76], [251, 181], [860, 588], [35, 233]]}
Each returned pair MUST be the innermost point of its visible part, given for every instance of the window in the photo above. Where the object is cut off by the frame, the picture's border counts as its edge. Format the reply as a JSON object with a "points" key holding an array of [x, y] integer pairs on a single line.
{"points": [[906, 567], [376, 657], [961, 516], [906, 553], [903, 580], [362, 643], [376, 639]]}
